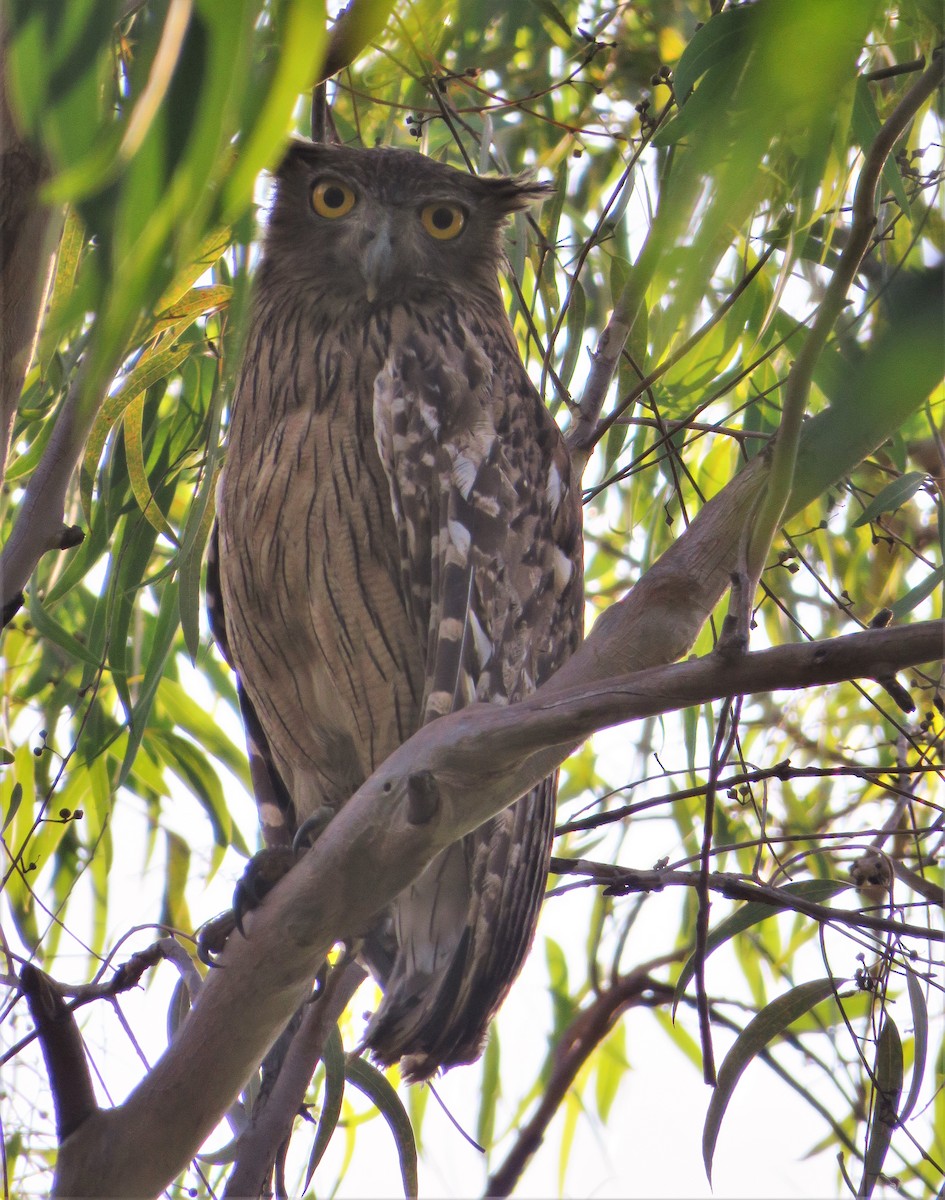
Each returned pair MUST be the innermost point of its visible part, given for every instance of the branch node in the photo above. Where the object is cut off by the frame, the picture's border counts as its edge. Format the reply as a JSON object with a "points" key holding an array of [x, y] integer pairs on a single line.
{"points": [[69, 537], [11, 608], [423, 797]]}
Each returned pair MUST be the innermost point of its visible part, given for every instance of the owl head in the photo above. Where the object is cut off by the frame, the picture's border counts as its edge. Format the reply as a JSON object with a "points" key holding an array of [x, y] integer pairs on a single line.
{"points": [[382, 224]]}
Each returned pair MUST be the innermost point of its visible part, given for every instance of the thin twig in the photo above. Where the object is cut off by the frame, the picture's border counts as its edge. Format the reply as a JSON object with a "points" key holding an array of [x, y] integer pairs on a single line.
{"points": [[774, 502], [782, 770], [578, 1042], [621, 881], [588, 431], [269, 1128]]}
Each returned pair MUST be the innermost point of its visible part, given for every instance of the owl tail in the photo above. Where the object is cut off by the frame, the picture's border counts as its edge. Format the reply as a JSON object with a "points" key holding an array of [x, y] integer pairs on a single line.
{"points": [[463, 931]]}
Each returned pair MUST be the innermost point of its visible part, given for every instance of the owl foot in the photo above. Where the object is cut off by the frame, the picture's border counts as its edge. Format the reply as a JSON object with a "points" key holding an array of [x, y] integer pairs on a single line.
{"points": [[312, 828], [262, 873], [211, 937]]}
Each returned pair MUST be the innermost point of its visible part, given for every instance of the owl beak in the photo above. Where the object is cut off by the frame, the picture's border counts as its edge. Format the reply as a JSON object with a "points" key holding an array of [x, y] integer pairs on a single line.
{"points": [[377, 260]]}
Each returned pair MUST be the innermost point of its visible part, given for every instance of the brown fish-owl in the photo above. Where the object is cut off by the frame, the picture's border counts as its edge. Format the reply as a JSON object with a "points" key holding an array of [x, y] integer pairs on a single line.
{"points": [[398, 535]]}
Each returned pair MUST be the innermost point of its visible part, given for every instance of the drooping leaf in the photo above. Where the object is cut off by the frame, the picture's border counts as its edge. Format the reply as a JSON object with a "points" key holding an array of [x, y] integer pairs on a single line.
{"points": [[333, 1056], [893, 496], [885, 1115], [757, 1034], [817, 891], [920, 1042], [375, 1085]]}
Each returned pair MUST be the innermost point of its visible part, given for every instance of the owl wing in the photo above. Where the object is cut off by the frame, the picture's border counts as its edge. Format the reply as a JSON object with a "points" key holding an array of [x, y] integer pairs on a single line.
{"points": [[489, 536], [276, 812]]}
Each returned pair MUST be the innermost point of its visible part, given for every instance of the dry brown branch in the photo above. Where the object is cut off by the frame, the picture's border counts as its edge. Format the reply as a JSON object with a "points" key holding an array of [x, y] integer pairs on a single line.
{"points": [[621, 881], [63, 1051], [259, 1144], [577, 1043]]}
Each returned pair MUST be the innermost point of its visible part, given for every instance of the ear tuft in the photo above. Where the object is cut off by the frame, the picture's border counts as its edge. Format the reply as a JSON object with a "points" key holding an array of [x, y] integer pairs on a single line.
{"points": [[512, 194]]}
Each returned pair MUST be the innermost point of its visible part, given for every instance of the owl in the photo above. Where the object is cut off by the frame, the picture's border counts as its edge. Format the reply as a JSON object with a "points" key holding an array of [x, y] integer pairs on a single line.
{"points": [[398, 535]]}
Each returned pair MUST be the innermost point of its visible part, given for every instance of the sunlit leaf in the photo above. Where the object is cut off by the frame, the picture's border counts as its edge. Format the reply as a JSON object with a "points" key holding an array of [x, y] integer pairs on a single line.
{"points": [[762, 1029], [375, 1086], [885, 1116], [893, 496], [333, 1056], [490, 1090]]}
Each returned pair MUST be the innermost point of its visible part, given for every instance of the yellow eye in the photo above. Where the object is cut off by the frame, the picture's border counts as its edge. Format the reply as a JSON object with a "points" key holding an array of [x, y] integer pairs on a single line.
{"points": [[443, 221], [332, 199]]}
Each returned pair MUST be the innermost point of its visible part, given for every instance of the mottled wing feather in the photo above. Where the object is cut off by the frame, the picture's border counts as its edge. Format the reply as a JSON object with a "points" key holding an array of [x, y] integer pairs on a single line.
{"points": [[473, 495]]}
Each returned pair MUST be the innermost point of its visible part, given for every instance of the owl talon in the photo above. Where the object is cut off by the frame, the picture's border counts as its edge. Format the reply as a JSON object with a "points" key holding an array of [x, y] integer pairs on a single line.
{"points": [[262, 873], [311, 829], [211, 938]]}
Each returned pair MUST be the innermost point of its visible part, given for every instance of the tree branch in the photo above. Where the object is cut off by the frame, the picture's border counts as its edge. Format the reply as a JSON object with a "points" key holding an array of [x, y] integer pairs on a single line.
{"points": [[259, 1144], [576, 1045], [621, 881], [482, 759], [776, 498], [28, 232], [63, 1051], [39, 525]]}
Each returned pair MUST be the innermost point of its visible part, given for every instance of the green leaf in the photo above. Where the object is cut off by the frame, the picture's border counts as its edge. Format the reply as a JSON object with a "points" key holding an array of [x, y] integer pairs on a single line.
{"points": [[301, 50], [71, 245], [137, 471], [888, 1079], [875, 396], [165, 629], [818, 891], [16, 798], [48, 627], [893, 496], [611, 1061], [196, 532], [920, 1028], [554, 13], [383, 1096], [866, 126], [914, 597], [767, 1025], [712, 46], [190, 766], [154, 365], [577, 316], [333, 1056], [194, 720], [490, 1090]]}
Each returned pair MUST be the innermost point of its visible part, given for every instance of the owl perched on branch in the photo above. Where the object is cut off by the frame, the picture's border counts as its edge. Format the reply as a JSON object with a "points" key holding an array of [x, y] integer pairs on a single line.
{"points": [[398, 535]]}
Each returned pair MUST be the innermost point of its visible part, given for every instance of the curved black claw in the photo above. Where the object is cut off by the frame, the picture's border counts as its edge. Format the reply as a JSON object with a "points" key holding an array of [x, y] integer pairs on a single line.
{"points": [[312, 828], [262, 873], [211, 937]]}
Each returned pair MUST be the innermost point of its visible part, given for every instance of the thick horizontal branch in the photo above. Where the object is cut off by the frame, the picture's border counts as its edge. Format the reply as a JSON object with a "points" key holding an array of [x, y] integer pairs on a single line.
{"points": [[473, 763]]}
